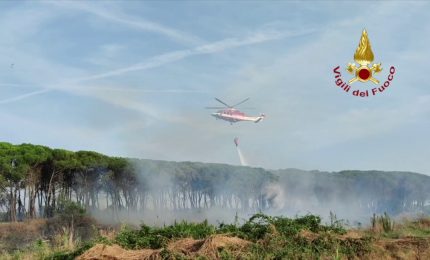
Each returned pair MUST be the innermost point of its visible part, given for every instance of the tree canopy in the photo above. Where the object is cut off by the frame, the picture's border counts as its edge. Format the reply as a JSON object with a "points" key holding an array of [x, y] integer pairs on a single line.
{"points": [[34, 179]]}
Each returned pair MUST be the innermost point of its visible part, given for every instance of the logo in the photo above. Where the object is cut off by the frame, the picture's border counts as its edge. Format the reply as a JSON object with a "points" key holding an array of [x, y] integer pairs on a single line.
{"points": [[364, 72]]}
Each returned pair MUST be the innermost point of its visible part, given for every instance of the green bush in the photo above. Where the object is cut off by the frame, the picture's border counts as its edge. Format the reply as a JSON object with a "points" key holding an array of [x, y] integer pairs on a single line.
{"points": [[154, 237], [273, 237]]}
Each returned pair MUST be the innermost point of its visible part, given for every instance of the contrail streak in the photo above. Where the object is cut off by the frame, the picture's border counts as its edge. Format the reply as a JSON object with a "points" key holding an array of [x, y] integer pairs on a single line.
{"points": [[174, 56], [169, 57], [132, 22], [20, 97]]}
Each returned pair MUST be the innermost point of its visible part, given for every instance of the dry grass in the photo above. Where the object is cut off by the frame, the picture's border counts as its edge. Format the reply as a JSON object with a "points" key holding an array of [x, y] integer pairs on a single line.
{"points": [[308, 235], [411, 243], [409, 239], [19, 235], [213, 245], [30, 227], [187, 247], [115, 252], [404, 248], [423, 223], [108, 233]]}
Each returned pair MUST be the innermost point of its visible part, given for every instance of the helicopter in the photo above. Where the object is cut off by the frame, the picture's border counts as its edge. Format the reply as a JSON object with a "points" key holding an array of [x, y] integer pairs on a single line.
{"points": [[233, 115]]}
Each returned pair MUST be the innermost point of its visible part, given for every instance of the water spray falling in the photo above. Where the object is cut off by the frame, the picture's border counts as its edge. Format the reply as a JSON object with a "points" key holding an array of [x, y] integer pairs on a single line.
{"points": [[239, 152]]}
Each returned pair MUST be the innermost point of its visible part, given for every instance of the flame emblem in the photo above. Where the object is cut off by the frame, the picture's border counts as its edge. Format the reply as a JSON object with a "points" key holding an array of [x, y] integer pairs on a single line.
{"points": [[364, 56]]}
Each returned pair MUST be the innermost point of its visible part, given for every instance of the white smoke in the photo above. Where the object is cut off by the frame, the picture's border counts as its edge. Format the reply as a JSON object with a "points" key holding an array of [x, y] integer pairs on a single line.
{"points": [[275, 193]]}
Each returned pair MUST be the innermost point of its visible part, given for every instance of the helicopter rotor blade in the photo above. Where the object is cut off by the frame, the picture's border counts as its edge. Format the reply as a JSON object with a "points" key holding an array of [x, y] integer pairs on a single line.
{"points": [[215, 107], [222, 102], [241, 102]]}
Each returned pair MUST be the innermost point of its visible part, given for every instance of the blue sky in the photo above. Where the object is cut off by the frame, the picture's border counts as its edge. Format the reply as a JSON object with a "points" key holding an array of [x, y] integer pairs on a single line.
{"points": [[132, 78]]}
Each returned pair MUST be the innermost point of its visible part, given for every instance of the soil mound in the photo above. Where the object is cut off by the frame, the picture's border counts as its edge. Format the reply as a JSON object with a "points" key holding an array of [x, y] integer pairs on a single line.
{"points": [[214, 244], [187, 247], [115, 252]]}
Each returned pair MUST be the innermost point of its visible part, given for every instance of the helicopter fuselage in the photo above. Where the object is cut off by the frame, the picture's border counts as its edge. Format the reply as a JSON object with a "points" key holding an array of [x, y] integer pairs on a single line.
{"points": [[234, 115]]}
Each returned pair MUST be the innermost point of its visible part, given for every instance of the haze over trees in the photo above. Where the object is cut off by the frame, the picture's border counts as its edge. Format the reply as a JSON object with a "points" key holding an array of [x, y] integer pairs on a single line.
{"points": [[35, 180]]}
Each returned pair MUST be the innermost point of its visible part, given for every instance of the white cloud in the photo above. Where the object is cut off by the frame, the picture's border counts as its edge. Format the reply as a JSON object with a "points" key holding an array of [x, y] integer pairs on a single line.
{"points": [[215, 47], [156, 61], [133, 22]]}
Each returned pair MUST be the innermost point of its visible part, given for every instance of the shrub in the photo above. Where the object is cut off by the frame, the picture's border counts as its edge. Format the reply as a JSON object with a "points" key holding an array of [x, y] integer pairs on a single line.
{"points": [[153, 237], [382, 223]]}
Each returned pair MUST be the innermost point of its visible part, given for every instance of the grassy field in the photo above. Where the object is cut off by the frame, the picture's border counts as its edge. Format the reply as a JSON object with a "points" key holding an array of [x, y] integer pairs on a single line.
{"points": [[260, 237]]}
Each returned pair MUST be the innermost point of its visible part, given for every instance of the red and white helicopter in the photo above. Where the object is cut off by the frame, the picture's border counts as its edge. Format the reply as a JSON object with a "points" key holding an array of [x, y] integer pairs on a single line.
{"points": [[232, 115]]}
